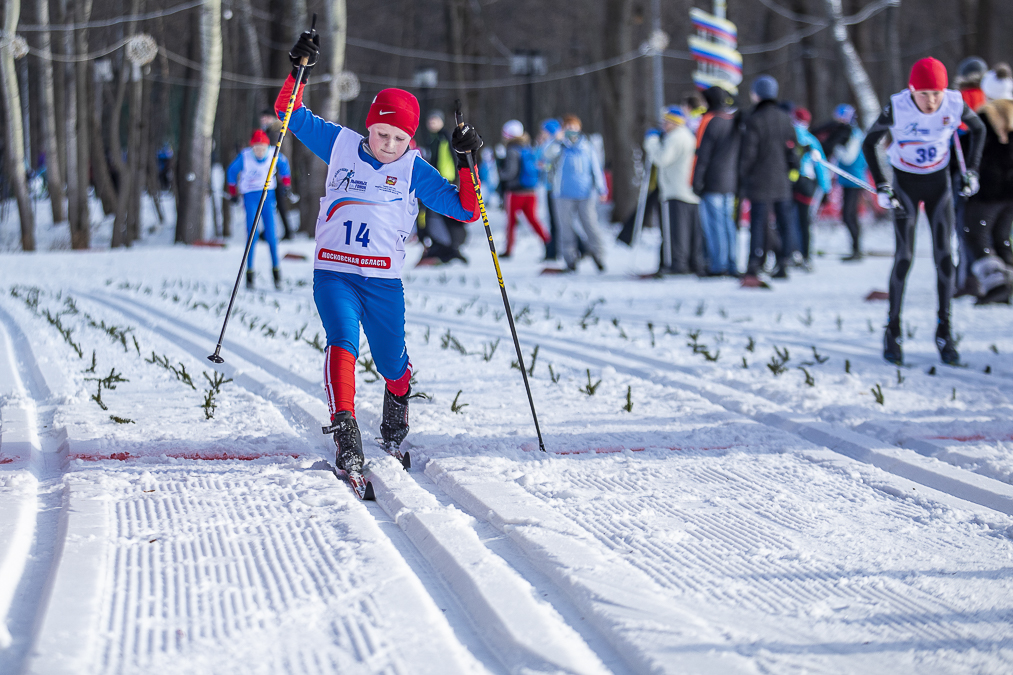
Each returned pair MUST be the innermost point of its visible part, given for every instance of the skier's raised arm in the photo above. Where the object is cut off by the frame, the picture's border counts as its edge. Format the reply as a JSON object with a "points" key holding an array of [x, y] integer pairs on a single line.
{"points": [[316, 133]]}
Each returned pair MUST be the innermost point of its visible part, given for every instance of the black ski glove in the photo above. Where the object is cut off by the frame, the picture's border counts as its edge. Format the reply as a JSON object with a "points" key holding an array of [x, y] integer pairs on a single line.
{"points": [[308, 45], [465, 140]]}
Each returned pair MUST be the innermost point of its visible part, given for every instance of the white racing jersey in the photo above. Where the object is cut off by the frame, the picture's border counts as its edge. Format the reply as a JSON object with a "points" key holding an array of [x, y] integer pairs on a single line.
{"points": [[921, 143], [254, 173], [366, 214]]}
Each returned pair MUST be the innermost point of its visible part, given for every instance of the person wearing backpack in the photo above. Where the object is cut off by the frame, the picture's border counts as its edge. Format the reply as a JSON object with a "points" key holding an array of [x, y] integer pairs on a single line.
{"points": [[518, 174]]}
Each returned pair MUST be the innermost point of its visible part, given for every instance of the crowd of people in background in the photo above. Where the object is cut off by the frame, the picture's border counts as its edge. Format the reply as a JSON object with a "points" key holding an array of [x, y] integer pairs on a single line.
{"points": [[712, 166]]}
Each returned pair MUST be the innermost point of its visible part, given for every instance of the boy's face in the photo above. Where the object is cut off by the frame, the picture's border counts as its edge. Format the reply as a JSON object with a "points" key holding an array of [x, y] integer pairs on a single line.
{"points": [[387, 142], [260, 150], [927, 100]]}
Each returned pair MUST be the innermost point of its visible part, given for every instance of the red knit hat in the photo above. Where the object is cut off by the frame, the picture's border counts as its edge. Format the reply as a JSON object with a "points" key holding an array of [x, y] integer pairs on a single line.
{"points": [[395, 107], [928, 75], [259, 137]]}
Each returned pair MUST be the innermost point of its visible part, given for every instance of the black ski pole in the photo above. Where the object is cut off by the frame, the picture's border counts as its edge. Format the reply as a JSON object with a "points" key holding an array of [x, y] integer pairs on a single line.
{"points": [[252, 236], [499, 277]]}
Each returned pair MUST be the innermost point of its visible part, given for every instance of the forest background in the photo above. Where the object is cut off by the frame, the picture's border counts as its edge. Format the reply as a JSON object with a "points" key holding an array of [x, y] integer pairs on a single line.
{"points": [[83, 95]]}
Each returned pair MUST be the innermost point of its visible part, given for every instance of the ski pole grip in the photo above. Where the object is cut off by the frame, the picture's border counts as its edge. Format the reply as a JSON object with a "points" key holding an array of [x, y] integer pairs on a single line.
{"points": [[313, 31], [458, 115]]}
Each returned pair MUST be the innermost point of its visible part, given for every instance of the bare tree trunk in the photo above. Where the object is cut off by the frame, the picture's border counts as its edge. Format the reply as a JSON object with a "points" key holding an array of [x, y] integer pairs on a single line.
{"points": [[104, 187], [67, 75], [457, 17], [137, 149], [854, 71], [187, 121], [54, 167], [197, 181], [969, 11], [15, 140], [252, 50], [618, 101], [78, 130], [895, 79], [121, 236]]}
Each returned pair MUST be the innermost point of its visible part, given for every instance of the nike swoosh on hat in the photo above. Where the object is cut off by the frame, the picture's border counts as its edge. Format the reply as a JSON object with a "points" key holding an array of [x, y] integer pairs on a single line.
{"points": [[387, 112]]}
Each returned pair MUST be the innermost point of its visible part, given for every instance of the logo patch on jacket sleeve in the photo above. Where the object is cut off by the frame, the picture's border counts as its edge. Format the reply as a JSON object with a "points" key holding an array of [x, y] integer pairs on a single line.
{"points": [[391, 180]]}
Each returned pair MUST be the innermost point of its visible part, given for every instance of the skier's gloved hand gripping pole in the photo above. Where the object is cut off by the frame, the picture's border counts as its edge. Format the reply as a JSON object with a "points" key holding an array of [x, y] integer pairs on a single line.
{"points": [[302, 65], [884, 190], [464, 133]]}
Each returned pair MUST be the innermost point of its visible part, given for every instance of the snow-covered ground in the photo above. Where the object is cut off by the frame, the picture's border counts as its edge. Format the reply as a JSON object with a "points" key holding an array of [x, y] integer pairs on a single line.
{"points": [[694, 513]]}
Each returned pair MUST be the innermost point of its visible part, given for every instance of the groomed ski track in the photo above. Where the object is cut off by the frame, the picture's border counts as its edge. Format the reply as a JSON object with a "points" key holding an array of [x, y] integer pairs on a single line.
{"points": [[783, 542]]}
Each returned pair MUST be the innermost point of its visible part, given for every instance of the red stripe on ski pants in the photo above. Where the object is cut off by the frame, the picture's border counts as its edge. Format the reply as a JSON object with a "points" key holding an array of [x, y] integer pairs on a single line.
{"points": [[524, 202]]}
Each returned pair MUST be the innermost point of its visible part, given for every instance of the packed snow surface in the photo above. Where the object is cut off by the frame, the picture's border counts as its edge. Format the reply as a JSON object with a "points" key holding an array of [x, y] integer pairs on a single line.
{"points": [[734, 480]]}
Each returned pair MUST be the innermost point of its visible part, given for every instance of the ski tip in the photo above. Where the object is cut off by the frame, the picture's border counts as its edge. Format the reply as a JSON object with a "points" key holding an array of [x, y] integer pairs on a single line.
{"points": [[367, 493], [406, 461]]}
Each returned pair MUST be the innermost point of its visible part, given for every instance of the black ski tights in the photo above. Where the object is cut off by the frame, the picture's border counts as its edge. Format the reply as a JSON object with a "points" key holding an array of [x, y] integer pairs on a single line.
{"points": [[934, 190]]}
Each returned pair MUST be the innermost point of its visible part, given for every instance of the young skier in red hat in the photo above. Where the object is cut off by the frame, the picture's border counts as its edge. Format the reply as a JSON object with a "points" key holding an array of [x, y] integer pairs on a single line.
{"points": [[922, 120], [373, 189], [247, 176]]}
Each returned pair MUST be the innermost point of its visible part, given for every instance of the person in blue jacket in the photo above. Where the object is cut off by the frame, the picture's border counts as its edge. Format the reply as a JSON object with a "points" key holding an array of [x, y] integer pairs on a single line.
{"points": [[813, 181], [372, 193], [247, 176]]}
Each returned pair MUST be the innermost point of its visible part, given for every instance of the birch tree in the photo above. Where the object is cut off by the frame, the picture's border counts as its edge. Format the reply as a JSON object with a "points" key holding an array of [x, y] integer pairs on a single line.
{"points": [[337, 27], [54, 168], [854, 71], [15, 140], [196, 183]]}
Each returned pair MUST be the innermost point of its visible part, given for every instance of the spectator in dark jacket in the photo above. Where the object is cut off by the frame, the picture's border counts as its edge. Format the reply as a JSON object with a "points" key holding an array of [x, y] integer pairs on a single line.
{"points": [[443, 235], [715, 181], [767, 157], [989, 213]]}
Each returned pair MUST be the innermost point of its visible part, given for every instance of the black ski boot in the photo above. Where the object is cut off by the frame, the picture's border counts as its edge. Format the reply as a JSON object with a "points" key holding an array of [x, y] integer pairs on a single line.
{"points": [[249, 280], [276, 271], [891, 344], [394, 426], [348, 441], [946, 346]]}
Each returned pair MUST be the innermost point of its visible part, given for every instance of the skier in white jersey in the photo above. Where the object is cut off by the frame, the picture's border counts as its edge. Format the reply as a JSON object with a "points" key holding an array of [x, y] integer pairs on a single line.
{"points": [[921, 121], [247, 176], [373, 189]]}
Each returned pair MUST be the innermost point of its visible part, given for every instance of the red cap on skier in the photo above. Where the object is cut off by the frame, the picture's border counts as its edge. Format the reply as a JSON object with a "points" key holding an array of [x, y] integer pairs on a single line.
{"points": [[260, 138], [396, 107], [929, 74]]}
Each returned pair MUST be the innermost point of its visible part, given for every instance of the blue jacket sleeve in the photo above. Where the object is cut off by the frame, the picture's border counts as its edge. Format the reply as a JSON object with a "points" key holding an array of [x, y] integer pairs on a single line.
{"points": [[232, 175], [437, 193], [316, 133]]}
